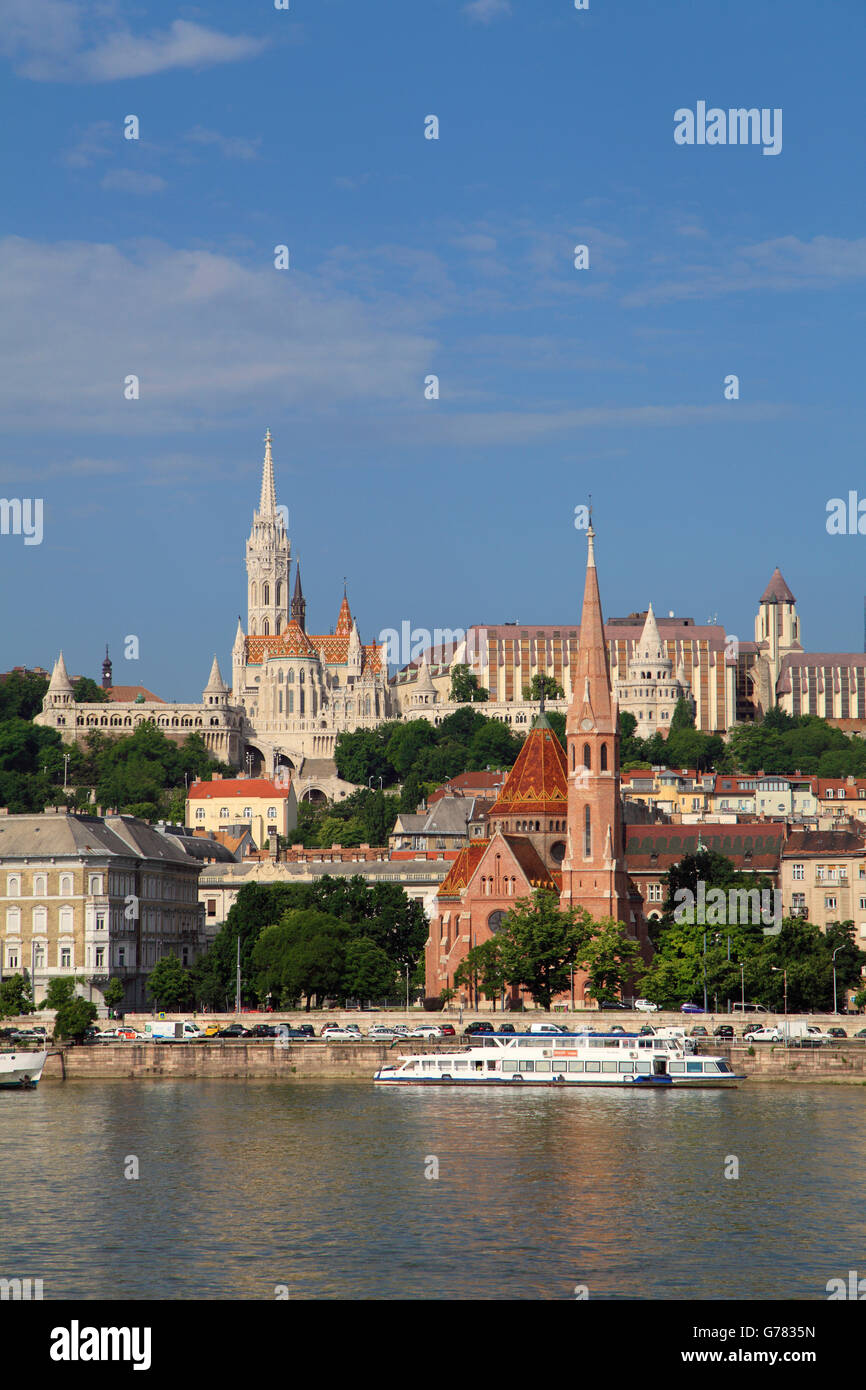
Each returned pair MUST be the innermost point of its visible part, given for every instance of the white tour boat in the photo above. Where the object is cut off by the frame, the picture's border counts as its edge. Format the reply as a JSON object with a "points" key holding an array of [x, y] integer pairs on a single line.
{"points": [[574, 1059], [21, 1069]]}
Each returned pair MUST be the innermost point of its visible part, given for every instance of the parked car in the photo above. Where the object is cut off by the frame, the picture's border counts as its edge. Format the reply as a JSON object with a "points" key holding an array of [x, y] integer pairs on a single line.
{"points": [[401, 1028], [646, 1006], [837, 1033], [426, 1030], [690, 1009], [263, 1030], [211, 1030], [383, 1033], [329, 1028], [234, 1030], [307, 1028], [340, 1035], [447, 1030], [724, 1030], [506, 1028], [758, 1034], [699, 1031], [861, 1033], [611, 1004], [353, 1028], [472, 1028]]}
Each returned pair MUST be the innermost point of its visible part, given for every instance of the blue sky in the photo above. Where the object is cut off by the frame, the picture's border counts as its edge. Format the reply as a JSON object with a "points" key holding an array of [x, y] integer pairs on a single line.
{"points": [[409, 257]]}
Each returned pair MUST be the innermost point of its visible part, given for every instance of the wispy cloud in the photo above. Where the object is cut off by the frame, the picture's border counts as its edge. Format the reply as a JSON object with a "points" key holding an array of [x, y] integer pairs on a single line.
{"points": [[781, 264], [132, 181], [485, 11], [232, 146], [97, 141], [68, 41]]}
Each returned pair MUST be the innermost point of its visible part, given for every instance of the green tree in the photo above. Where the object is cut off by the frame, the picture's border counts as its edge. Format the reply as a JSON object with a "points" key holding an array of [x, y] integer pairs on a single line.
{"points": [[61, 989], [113, 993], [86, 692], [493, 746], [540, 945], [611, 959], [169, 984], [465, 688], [303, 955], [21, 696], [412, 793], [683, 716], [482, 969], [73, 1018], [369, 973], [16, 996], [407, 741], [543, 685]]}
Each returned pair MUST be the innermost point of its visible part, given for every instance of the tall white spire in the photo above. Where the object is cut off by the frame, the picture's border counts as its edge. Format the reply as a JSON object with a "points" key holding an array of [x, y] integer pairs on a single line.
{"points": [[650, 645], [268, 502]]}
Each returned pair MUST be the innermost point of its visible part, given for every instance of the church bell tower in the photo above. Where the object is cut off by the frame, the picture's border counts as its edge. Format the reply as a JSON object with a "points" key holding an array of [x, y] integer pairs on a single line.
{"points": [[269, 553]]}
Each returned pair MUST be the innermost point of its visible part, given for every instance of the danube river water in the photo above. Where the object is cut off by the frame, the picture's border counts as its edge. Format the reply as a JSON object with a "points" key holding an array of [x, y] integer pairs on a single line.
{"points": [[321, 1187]]}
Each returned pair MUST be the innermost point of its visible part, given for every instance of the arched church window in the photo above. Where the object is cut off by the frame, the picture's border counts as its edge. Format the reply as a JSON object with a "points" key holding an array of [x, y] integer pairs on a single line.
{"points": [[279, 594], [587, 833], [603, 763], [572, 757], [301, 675], [266, 595], [266, 628], [290, 675], [587, 756], [280, 676]]}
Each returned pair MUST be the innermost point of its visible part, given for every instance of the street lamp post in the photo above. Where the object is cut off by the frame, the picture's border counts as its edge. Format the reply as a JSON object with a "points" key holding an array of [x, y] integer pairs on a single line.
{"points": [[742, 986], [784, 974], [705, 972], [835, 953]]}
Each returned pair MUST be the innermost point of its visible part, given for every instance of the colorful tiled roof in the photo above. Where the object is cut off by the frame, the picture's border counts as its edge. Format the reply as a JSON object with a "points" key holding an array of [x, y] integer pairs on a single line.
{"points": [[344, 620], [457, 879], [293, 641], [538, 782], [537, 873]]}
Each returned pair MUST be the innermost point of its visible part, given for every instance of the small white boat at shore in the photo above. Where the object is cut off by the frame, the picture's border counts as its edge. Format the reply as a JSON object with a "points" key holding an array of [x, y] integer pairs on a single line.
{"points": [[580, 1059], [21, 1070]]}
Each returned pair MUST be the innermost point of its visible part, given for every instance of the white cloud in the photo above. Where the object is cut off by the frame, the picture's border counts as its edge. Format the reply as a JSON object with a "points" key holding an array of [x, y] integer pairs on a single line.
{"points": [[232, 146], [781, 264], [65, 41], [485, 11], [96, 141], [132, 181], [209, 338]]}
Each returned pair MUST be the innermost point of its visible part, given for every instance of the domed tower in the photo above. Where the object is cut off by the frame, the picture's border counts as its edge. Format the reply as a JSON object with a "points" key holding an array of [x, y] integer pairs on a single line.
{"points": [[106, 670]]}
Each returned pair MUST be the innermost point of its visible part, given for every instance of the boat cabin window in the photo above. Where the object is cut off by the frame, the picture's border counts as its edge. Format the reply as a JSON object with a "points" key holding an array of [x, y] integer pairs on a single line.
{"points": [[694, 1066], [627, 1067], [593, 1066], [509, 1066], [575, 1066], [677, 1067], [543, 1066], [527, 1066], [608, 1066], [644, 1068]]}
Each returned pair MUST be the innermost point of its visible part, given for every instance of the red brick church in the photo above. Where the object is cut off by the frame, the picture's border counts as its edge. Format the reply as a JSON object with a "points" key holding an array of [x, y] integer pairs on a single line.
{"points": [[556, 824]]}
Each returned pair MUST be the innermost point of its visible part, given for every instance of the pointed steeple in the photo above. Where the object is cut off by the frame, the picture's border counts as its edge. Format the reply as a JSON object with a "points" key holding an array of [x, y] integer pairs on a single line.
{"points": [[268, 501], [344, 620], [592, 671], [650, 645], [60, 682], [215, 680], [106, 670], [299, 603]]}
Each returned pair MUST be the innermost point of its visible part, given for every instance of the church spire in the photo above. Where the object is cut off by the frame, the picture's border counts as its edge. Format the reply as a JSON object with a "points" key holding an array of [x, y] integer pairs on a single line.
{"points": [[299, 603], [592, 672], [268, 502]]}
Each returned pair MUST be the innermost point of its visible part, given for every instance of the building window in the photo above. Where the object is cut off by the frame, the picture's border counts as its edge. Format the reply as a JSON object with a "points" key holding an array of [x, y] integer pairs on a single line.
{"points": [[66, 886], [100, 921], [40, 919], [798, 871], [830, 903], [655, 893], [199, 813], [603, 763], [224, 813], [587, 834], [12, 957], [272, 813], [121, 956], [211, 907], [39, 957], [40, 885], [587, 756], [65, 957], [100, 958], [66, 920], [13, 921], [95, 884], [13, 886]]}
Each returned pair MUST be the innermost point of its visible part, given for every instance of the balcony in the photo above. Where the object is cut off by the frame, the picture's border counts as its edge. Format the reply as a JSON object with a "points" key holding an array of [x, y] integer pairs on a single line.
{"points": [[798, 912]]}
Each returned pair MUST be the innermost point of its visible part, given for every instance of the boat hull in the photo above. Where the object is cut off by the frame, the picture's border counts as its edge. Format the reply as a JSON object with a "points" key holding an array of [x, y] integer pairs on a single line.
{"points": [[649, 1083], [21, 1071]]}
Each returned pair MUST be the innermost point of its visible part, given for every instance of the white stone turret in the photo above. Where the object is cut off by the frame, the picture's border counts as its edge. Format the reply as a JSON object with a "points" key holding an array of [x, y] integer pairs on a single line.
{"points": [[216, 692]]}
